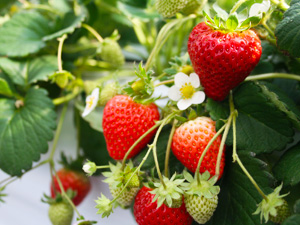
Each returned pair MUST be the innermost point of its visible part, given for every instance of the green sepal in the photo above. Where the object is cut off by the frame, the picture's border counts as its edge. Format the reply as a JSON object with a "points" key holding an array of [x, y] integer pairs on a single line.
{"points": [[232, 22], [104, 206], [2, 194], [61, 78]]}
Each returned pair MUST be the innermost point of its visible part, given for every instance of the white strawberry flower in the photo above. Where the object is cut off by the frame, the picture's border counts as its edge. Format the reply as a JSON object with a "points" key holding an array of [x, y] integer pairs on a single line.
{"points": [[258, 9], [91, 102], [185, 90]]}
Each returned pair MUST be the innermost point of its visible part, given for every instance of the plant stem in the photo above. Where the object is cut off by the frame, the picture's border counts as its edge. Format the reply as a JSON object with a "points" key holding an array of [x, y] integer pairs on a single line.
{"points": [[281, 4], [164, 82], [273, 75], [103, 167], [67, 97], [137, 169], [160, 76], [197, 172], [157, 124], [164, 121], [64, 193], [237, 5], [59, 52], [235, 155], [93, 31], [58, 131], [168, 151]]}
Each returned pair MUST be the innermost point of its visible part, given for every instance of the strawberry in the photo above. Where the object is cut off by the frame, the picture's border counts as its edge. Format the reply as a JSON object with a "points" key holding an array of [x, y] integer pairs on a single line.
{"points": [[146, 211], [201, 197], [190, 140], [282, 212], [111, 52], [124, 121], [74, 180], [61, 213], [222, 59]]}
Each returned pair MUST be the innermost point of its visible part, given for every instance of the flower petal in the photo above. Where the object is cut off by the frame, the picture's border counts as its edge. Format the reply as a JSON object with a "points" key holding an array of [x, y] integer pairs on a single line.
{"points": [[91, 102], [195, 81], [183, 104], [181, 79], [198, 97], [174, 93]]}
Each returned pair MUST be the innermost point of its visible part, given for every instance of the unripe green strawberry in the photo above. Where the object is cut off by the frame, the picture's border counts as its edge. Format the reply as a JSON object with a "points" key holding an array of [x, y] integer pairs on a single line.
{"points": [[126, 197], [134, 182], [187, 69], [111, 52], [191, 7], [108, 92], [282, 213], [200, 208], [60, 213], [169, 8]]}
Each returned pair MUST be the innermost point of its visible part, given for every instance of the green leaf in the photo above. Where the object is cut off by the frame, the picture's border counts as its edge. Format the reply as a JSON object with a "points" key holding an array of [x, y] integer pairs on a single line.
{"points": [[232, 22], [287, 31], [66, 25], [93, 143], [24, 72], [261, 126], [292, 220], [135, 12], [238, 198], [23, 34], [297, 206], [287, 168], [4, 88], [25, 131], [162, 143]]}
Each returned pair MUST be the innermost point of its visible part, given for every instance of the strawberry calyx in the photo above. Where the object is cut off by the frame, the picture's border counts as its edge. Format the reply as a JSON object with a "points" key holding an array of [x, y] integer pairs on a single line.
{"points": [[233, 21], [170, 196], [269, 207], [206, 187], [59, 197], [104, 206], [142, 88]]}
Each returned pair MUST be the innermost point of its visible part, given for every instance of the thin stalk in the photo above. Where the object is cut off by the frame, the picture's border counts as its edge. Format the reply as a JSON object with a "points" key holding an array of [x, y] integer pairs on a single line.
{"points": [[93, 32], [281, 4], [197, 172], [103, 167], [58, 131], [237, 5], [160, 76], [164, 122], [59, 52], [66, 98], [77, 122], [164, 82], [64, 193], [273, 75], [221, 148], [168, 151], [235, 155], [266, 26], [157, 124], [137, 169]]}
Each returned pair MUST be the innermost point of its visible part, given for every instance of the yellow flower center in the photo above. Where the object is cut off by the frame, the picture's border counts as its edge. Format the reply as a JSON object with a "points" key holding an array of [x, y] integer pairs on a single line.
{"points": [[89, 102], [187, 90]]}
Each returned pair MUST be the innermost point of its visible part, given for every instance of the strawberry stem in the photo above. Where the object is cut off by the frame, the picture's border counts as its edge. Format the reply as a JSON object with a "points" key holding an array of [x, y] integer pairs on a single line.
{"points": [[237, 5], [281, 4], [165, 82], [168, 151], [272, 76], [59, 51], [235, 155], [93, 32], [63, 193], [164, 122], [197, 172], [157, 124]]}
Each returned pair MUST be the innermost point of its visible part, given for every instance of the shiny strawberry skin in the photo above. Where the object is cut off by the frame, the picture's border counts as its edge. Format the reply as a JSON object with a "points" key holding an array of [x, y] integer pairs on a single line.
{"points": [[124, 121], [77, 181], [190, 140], [146, 212], [222, 59]]}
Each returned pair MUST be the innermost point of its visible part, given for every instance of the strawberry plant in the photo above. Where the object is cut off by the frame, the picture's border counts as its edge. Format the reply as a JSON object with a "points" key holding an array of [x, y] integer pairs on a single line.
{"points": [[187, 110]]}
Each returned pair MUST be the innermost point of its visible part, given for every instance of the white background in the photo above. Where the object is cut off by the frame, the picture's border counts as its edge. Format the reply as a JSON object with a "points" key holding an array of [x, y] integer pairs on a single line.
{"points": [[23, 204]]}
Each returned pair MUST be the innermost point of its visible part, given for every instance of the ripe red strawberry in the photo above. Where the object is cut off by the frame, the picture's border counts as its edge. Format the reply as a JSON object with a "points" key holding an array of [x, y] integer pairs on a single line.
{"points": [[146, 211], [190, 140], [77, 181], [124, 121], [222, 59]]}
